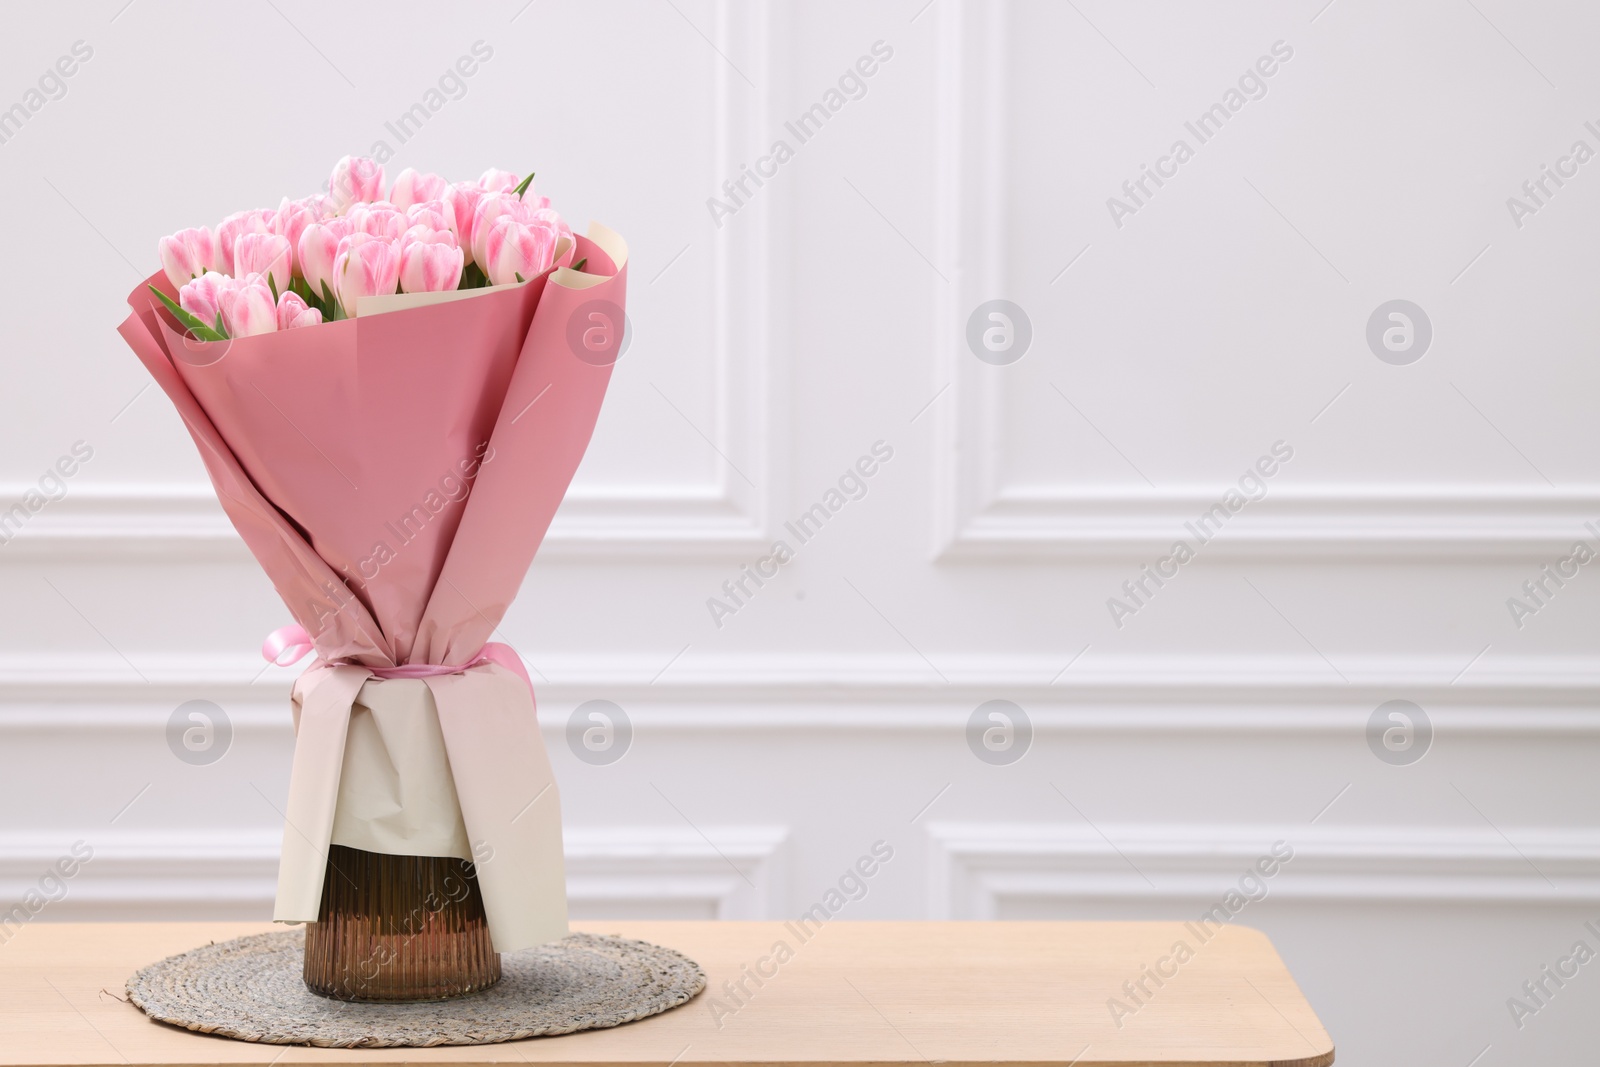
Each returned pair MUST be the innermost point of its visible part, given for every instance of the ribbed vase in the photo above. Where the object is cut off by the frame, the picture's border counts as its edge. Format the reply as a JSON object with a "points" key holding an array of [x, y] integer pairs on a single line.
{"points": [[399, 928]]}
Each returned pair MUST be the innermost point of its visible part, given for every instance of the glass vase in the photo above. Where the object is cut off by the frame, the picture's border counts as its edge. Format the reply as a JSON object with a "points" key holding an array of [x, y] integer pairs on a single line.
{"points": [[397, 928]]}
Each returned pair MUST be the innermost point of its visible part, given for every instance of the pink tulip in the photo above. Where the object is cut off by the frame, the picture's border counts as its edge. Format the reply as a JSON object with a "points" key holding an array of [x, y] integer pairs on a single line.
{"points": [[188, 254], [430, 213], [248, 308], [366, 266], [318, 248], [492, 206], [519, 250], [430, 262], [293, 312], [379, 219], [235, 226], [291, 220], [266, 254], [413, 187], [498, 181], [320, 203], [355, 179], [461, 200], [422, 233], [563, 232], [202, 297]]}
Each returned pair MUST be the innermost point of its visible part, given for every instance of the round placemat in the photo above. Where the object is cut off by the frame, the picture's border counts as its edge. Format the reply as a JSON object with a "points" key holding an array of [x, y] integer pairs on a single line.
{"points": [[250, 988]]}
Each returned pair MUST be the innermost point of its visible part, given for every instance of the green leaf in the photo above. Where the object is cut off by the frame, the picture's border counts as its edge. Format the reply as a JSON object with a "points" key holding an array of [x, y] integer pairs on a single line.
{"points": [[517, 276], [192, 323], [582, 263], [222, 331], [523, 188], [334, 312], [272, 285]]}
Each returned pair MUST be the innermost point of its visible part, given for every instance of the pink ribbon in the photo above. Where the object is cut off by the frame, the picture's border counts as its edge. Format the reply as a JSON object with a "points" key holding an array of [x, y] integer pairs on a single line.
{"points": [[288, 645]]}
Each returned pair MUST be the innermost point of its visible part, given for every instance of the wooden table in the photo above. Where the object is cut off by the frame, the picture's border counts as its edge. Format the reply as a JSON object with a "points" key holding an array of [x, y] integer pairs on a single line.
{"points": [[874, 993]]}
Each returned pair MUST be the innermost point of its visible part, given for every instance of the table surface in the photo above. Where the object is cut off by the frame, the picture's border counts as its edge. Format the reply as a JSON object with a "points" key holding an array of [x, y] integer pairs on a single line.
{"points": [[878, 993]]}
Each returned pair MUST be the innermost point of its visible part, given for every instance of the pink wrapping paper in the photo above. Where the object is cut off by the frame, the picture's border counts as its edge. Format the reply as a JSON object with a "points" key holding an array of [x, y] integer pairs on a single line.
{"points": [[394, 474]]}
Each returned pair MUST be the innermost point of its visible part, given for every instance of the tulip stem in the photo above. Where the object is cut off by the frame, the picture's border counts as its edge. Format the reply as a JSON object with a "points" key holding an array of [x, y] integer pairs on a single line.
{"points": [[332, 310]]}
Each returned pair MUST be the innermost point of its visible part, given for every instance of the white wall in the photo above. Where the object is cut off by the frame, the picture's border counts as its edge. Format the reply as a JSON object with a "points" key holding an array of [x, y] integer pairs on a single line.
{"points": [[828, 313]]}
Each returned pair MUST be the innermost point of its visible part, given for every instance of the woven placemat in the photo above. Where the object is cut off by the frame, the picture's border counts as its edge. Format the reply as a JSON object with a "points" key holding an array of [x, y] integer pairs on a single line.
{"points": [[251, 989]]}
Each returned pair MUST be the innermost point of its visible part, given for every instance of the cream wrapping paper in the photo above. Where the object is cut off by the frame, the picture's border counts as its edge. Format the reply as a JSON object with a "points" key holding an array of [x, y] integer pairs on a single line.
{"points": [[369, 773]]}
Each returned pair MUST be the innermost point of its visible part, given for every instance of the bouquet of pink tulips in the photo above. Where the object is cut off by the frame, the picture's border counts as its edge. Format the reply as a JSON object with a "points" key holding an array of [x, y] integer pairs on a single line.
{"points": [[394, 470], [312, 259]]}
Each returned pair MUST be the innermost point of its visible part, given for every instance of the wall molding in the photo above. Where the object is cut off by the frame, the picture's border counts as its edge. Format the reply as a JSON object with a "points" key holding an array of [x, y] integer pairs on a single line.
{"points": [[979, 517], [975, 867], [149, 875], [1265, 695], [742, 877], [970, 221], [1351, 524], [184, 523], [1328, 524]]}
